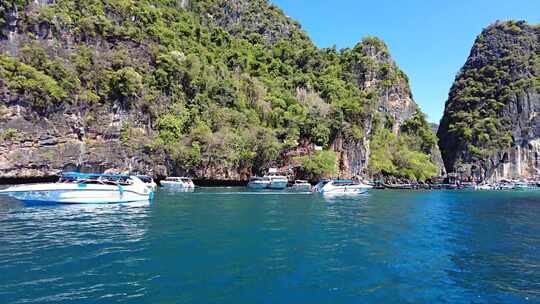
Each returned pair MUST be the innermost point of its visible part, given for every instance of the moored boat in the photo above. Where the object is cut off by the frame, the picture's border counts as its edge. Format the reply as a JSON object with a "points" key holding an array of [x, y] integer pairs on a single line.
{"points": [[467, 186], [377, 184], [451, 186], [341, 186], [273, 182], [148, 181], [399, 186], [505, 185], [177, 183], [259, 182], [301, 185], [278, 182], [483, 187], [437, 186], [521, 185], [82, 188]]}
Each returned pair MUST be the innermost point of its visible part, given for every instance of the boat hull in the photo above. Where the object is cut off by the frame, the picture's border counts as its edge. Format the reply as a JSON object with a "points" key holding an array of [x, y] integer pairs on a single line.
{"points": [[341, 187], [258, 186], [484, 188], [151, 186], [277, 185], [301, 188], [345, 191], [522, 187], [77, 194], [176, 186]]}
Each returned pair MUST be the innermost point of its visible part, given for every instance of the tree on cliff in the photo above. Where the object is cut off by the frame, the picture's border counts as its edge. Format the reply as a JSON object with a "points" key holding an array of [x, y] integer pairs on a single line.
{"points": [[208, 86]]}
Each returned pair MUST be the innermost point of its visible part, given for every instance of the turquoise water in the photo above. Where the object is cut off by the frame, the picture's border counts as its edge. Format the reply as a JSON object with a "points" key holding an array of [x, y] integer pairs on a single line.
{"points": [[225, 246]]}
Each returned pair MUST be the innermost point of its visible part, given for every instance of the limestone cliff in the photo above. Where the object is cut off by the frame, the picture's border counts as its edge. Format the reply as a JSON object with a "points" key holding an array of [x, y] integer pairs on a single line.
{"points": [[215, 89], [491, 127], [372, 69]]}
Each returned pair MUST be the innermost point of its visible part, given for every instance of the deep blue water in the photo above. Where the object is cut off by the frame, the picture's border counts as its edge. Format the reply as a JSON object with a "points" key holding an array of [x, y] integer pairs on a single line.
{"points": [[218, 246]]}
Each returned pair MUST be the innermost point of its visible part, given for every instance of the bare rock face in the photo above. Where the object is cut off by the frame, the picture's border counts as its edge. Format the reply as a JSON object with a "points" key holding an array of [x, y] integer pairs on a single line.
{"points": [[353, 156], [33, 146], [522, 158], [436, 156], [377, 71]]}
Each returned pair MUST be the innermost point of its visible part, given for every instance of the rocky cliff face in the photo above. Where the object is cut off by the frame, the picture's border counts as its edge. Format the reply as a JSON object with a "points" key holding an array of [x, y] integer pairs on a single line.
{"points": [[436, 155], [213, 89], [376, 72], [491, 127], [37, 146], [373, 70]]}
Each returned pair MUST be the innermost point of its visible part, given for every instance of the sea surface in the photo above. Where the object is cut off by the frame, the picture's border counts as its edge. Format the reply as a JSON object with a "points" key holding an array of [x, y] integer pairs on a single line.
{"points": [[230, 246]]}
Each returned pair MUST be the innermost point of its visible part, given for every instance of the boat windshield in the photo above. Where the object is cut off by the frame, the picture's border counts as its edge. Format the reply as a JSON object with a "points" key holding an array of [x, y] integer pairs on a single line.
{"points": [[145, 178], [343, 182], [322, 183], [259, 178], [93, 178], [186, 180]]}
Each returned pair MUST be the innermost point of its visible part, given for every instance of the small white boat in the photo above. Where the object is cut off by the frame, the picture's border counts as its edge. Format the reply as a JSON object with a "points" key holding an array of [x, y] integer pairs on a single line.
{"points": [[301, 185], [278, 182], [484, 187], [258, 182], [177, 183], [80, 188], [521, 185], [342, 186], [504, 185], [149, 181]]}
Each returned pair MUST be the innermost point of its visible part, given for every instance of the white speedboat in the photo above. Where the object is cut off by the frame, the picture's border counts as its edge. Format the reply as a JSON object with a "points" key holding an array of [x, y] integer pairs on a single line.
{"points": [[484, 187], [278, 182], [259, 182], [522, 185], [177, 183], [301, 185], [341, 186], [273, 182], [80, 188], [505, 185], [149, 181]]}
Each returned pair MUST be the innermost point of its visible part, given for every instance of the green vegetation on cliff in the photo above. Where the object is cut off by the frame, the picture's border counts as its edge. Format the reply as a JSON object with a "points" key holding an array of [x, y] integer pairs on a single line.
{"points": [[406, 155], [504, 66], [219, 84], [320, 163]]}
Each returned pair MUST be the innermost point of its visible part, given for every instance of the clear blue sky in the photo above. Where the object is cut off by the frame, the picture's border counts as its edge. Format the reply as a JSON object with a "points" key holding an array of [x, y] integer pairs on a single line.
{"points": [[430, 40]]}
